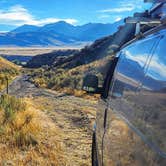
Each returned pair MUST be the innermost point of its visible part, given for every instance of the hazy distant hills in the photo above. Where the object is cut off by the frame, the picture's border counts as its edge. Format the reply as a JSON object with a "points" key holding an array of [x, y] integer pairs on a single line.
{"points": [[57, 34], [25, 28]]}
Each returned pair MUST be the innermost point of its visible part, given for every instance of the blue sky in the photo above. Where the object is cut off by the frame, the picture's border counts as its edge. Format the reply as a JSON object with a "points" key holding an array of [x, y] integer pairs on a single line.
{"points": [[15, 13]]}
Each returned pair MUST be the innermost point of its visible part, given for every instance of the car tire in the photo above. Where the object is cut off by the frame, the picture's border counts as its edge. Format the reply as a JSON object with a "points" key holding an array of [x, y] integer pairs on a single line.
{"points": [[94, 151]]}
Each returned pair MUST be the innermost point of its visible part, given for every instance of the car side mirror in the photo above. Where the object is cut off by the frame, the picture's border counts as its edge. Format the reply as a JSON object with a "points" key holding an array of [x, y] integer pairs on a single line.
{"points": [[90, 84]]}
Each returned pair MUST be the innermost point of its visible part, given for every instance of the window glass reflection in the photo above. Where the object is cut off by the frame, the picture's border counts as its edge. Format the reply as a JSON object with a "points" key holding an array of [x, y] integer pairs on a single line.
{"points": [[154, 95]]}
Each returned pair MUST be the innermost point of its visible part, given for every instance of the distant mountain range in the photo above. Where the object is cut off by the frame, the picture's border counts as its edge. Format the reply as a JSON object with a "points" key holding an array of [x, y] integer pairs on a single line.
{"points": [[57, 34]]}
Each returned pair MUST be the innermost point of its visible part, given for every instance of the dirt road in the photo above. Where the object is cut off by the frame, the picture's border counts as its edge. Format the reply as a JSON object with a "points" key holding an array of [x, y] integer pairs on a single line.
{"points": [[72, 115]]}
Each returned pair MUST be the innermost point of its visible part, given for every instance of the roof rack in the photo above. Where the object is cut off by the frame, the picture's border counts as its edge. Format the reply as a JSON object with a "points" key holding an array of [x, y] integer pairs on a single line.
{"points": [[139, 21], [150, 31], [156, 16], [136, 26]]}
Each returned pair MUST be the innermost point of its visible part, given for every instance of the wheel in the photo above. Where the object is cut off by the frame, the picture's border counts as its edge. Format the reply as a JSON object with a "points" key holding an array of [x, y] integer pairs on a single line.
{"points": [[94, 151]]}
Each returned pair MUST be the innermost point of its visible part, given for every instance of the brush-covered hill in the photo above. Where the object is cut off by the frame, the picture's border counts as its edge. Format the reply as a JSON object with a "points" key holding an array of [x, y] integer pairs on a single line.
{"points": [[68, 71], [5, 64], [73, 58], [50, 58], [65, 73], [7, 70]]}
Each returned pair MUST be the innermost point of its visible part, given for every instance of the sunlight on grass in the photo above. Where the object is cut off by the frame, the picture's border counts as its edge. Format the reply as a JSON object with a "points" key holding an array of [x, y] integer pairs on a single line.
{"points": [[8, 71], [26, 137], [17, 125]]}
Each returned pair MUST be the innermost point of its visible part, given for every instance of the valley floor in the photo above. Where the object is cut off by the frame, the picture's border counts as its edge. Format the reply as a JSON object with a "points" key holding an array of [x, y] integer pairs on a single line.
{"points": [[71, 116], [30, 51]]}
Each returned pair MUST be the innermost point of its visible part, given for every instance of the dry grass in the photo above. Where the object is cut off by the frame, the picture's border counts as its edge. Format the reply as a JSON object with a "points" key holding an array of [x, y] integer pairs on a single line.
{"points": [[70, 80], [7, 70], [4, 64], [80, 93], [27, 136], [75, 117]]}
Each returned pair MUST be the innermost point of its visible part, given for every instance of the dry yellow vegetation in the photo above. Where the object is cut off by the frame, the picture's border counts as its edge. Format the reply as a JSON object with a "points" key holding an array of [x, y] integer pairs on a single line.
{"points": [[8, 71], [69, 80], [74, 117], [27, 136], [4, 64]]}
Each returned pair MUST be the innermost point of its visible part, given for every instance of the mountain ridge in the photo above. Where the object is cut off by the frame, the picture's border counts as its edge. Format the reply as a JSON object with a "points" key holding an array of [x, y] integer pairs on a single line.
{"points": [[57, 34]]}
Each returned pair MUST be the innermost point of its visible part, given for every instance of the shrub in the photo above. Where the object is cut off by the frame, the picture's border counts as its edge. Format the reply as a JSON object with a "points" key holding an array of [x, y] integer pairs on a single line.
{"points": [[11, 105], [7, 73], [18, 127]]}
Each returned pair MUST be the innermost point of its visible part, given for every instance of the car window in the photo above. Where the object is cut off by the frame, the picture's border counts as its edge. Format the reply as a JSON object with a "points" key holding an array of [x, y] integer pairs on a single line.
{"points": [[154, 91], [130, 68], [125, 96], [139, 51], [127, 109]]}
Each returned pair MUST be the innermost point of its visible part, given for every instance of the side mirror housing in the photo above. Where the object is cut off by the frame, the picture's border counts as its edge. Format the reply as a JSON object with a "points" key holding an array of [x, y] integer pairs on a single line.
{"points": [[90, 84]]}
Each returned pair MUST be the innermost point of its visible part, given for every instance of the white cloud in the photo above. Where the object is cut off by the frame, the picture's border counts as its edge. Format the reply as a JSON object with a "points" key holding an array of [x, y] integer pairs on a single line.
{"points": [[118, 19], [126, 6], [117, 10], [104, 16], [18, 15]]}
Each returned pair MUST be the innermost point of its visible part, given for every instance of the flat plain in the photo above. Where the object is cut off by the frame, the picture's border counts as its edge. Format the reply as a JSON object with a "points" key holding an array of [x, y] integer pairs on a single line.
{"points": [[30, 51]]}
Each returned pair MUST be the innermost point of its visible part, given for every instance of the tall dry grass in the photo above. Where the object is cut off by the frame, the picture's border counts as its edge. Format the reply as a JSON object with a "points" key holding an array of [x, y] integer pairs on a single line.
{"points": [[8, 71], [17, 127], [27, 136]]}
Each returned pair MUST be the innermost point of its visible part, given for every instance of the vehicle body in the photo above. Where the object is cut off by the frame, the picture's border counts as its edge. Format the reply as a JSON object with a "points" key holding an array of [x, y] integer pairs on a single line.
{"points": [[130, 127]]}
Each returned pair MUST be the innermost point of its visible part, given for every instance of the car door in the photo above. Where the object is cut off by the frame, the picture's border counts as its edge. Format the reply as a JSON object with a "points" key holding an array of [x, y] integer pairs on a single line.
{"points": [[153, 94], [122, 143]]}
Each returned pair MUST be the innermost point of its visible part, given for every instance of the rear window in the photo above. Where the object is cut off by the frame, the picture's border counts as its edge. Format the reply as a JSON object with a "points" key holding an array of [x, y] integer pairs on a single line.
{"points": [[155, 110]]}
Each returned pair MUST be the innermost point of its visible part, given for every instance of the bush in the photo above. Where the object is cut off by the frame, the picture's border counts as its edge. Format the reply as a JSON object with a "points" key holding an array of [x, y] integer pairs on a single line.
{"points": [[18, 127], [60, 79], [7, 73], [11, 105]]}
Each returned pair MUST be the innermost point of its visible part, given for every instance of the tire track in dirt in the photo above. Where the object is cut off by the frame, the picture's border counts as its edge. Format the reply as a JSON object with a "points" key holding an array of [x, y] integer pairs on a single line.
{"points": [[72, 115]]}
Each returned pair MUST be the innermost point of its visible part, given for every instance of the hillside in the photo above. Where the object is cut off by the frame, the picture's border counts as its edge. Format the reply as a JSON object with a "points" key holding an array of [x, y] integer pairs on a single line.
{"points": [[50, 58], [25, 28], [7, 70], [4, 64], [57, 34], [68, 71], [65, 73], [96, 51], [27, 39]]}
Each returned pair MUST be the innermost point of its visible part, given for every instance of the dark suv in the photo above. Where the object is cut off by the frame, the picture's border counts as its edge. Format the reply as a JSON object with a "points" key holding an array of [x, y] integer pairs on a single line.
{"points": [[130, 127]]}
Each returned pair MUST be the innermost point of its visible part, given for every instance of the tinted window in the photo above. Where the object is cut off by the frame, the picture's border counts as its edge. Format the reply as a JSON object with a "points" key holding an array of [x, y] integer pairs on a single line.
{"points": [[125, 139], [154, 94], [130, 73], [130, 69]]}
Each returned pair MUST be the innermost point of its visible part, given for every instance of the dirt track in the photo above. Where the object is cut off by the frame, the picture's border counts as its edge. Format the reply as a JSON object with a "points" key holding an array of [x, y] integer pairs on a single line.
{"points": [[72, 115]]}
